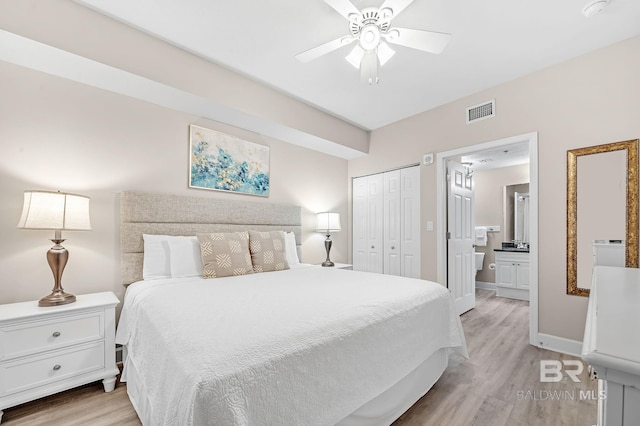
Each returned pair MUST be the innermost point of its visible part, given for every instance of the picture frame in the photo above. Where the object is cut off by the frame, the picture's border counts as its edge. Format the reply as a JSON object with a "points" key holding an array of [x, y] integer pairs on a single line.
{"points": [[222, 162]]}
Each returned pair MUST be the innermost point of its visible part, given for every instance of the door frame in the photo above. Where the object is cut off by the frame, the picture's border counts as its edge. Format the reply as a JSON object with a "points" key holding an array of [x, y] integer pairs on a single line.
{"points": [[441, 203]]}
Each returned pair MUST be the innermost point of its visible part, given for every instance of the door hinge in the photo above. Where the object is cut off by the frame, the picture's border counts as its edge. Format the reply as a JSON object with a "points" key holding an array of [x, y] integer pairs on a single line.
{"points": [[448, 235]]}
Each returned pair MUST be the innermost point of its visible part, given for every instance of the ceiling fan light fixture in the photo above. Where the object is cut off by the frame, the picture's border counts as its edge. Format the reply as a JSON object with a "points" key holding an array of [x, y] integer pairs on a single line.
{"points": [[355, 56], [385, 53], [369, 37]]}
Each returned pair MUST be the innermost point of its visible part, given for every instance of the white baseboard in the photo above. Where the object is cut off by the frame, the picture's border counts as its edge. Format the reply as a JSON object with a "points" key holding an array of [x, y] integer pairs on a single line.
{"points": [[485, 286], [560, 344]]}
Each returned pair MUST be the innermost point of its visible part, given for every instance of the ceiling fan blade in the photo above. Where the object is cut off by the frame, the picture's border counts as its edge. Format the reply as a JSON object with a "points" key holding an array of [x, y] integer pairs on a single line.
{"points": [[427, 41], [323, 49], [344, 7], [396, 6]]}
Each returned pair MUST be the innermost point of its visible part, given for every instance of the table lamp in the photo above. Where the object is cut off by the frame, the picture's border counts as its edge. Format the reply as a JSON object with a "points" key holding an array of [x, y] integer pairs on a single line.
{"points": [[56, 211], [327, 224]]}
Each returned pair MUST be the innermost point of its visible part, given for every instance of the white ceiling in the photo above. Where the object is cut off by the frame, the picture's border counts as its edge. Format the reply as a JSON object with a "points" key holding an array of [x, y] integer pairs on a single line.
{"points": [[493, 41], [504, 156]]}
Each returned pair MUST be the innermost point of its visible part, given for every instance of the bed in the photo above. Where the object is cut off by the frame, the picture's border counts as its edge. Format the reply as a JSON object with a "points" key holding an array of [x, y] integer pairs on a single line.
{"points": [[302, 346]]}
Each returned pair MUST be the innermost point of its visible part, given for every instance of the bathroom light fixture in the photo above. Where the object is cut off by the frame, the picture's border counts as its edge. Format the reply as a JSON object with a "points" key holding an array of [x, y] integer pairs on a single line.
{"points": [[57, 211], [328, 223], [594, 8]]}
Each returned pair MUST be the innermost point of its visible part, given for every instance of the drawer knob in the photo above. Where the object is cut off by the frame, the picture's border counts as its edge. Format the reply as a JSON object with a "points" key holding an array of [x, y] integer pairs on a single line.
{"points": [[56, 367], [56, 334]]}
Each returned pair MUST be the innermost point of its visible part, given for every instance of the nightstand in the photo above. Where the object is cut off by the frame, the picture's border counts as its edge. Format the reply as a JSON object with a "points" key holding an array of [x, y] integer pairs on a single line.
{"points": [[45, 350], [339, 266]]}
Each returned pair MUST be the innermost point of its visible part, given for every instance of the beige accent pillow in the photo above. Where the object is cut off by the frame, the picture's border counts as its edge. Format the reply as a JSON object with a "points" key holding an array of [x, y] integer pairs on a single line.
{"points": [[267, 251], [225, 254]]}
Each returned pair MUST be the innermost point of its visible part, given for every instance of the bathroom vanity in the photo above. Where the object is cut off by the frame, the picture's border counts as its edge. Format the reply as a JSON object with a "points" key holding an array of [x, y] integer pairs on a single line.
{"points": [[512, 273]]}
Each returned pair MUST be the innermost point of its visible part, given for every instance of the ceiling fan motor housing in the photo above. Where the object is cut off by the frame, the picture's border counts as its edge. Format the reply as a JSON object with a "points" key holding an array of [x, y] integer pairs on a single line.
{"points": [[369, 26]]}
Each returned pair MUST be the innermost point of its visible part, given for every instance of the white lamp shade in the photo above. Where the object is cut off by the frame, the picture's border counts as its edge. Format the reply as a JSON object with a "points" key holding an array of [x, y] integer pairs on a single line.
{"points": [[328, 222], [55, 210]]}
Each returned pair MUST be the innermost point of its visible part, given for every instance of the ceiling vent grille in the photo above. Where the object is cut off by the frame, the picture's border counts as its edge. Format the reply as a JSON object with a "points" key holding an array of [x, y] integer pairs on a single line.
{"points": [[482, 111]]}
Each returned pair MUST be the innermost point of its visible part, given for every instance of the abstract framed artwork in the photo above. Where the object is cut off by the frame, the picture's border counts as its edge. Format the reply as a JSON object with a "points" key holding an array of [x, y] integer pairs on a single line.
{"points": [[223, 162]]}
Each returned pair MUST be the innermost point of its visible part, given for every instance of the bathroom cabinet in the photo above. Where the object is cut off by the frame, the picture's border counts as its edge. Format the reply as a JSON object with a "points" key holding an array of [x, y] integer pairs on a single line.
{"points": [[512, 274]]}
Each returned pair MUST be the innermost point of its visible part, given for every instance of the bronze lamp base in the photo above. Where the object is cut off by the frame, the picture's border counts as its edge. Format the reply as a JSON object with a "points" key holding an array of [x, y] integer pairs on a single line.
{"points": [[57, 257]]}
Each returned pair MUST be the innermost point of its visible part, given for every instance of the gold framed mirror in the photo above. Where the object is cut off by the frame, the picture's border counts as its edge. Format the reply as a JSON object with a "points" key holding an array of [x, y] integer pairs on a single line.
{"points": [[605, 206]]}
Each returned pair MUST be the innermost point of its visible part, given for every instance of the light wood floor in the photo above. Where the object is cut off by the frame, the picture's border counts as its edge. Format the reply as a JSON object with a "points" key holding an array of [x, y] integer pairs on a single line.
{"points": [[496, 386]]}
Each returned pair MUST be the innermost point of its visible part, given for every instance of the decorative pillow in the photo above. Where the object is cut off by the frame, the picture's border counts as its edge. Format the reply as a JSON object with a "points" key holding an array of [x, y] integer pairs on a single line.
{"points": [[185, 257], [267, 251], [155, 263], [290, 248], [225, 254]]}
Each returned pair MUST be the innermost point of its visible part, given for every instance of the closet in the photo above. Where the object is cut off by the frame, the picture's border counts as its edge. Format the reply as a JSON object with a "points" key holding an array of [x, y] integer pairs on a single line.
{"points": [[386, 222]]}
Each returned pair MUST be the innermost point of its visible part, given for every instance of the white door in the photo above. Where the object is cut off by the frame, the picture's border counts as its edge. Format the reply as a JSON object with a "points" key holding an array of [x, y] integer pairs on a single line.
{"points": [[367, 223], [393, 223], [360, 224], [410, 207], [375, 237], [460, 253]]}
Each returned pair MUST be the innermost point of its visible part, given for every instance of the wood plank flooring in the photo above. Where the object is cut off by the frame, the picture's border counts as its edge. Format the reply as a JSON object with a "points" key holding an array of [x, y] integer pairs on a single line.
{"points": [[498, 385]]}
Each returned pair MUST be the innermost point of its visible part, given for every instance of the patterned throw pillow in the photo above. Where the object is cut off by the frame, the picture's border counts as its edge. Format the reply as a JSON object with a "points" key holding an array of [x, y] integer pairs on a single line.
{"points": [[225, 254], [267, 251]]}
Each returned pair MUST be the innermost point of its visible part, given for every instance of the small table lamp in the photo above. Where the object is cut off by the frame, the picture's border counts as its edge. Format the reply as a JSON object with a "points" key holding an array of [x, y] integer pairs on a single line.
{"points": [[58, 211], [327, 224]]}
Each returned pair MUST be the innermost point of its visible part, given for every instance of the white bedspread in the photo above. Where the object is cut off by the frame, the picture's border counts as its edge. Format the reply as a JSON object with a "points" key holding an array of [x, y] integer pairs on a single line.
{"points": [[306, 346]]}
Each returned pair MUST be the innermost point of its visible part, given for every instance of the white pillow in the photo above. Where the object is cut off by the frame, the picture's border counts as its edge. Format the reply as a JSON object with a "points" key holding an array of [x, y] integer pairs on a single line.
{"points": [[291, 250], [185, 257], [156, 262]]}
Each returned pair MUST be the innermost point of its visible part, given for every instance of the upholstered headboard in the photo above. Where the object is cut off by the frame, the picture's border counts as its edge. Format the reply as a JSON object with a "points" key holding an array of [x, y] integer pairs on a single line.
{"points": [[148, 213]]}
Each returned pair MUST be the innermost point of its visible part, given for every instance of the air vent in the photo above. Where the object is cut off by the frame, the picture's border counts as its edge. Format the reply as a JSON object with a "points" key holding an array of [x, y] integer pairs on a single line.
{"points": [[482, 111]]}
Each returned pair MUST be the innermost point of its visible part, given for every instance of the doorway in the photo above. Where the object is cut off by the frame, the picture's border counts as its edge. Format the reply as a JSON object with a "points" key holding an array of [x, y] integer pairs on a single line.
{"points": [[442, 184]]}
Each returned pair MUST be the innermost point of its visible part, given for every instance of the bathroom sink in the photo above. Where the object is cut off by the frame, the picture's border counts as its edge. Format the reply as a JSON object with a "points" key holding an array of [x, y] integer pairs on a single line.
{"points": [[523, 250], [512, 246]]}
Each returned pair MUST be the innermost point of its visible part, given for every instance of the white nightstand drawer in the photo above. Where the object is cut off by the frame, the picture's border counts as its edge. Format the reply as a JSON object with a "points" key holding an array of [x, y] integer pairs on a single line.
{"points": [[30, 372], [35, 336]]}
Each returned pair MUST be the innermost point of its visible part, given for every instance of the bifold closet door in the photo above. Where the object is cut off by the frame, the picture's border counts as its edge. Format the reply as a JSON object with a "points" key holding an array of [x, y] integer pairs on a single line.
{"points": [[386, 223], [410, 223], [368, 223], [392, 223]]}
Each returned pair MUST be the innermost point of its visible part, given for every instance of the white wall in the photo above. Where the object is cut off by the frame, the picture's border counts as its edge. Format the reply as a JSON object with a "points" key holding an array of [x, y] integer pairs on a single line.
{"points": [[61, 135], [589, 100]]}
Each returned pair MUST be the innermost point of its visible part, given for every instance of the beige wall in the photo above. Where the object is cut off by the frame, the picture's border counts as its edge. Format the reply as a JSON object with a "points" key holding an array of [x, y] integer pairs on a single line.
{"points": [[489, 208], [590, 100], [58, 134]]}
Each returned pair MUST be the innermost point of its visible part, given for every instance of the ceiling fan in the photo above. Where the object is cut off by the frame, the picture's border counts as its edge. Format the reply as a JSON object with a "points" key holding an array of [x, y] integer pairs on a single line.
{"points": [[371, 27]]}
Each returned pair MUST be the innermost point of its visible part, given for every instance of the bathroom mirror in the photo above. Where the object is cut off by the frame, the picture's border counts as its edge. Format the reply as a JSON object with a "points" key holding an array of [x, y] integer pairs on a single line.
{"points": [[510, 211], [602, 204]]}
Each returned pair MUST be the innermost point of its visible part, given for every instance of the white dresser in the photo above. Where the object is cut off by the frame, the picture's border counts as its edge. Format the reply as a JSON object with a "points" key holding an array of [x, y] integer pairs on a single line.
{"points": [[611, 344], [44, 350]]}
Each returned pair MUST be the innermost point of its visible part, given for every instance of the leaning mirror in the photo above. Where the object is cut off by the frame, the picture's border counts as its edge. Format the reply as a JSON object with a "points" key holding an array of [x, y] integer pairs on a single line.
{"points": [[602, 207]]}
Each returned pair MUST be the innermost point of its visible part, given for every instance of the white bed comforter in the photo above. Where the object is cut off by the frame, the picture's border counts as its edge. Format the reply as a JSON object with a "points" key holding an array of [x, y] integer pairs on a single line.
{"points": [[306, 346]]}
